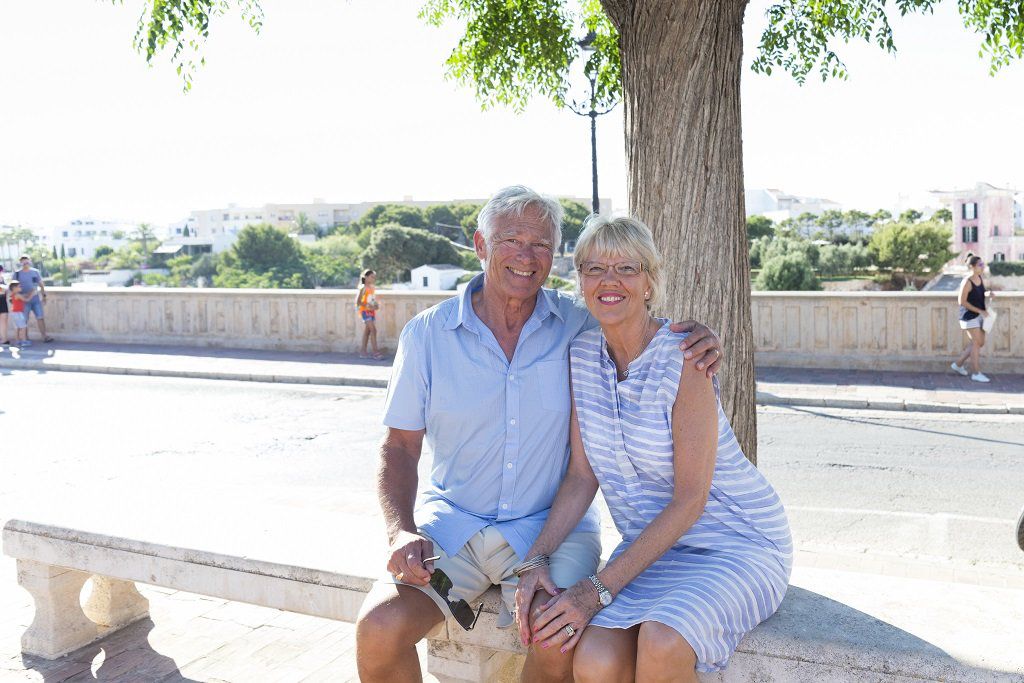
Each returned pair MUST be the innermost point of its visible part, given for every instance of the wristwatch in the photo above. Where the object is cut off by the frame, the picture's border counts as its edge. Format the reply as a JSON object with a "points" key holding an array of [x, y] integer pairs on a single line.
{"points": [[603, 594]]}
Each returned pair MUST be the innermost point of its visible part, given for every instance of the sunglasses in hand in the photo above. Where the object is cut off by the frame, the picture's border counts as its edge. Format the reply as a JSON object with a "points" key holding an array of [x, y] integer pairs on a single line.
{"points": [[461, 610]]}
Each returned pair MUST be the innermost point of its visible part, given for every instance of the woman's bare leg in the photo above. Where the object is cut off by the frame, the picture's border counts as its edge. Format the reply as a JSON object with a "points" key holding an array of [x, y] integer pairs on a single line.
{"points": [[978, 341], [967, 349], [664, 655], [366, 338], [605, 654]]}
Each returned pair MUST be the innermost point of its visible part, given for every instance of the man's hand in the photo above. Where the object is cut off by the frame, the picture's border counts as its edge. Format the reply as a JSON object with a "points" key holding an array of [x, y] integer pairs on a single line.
{"points": [[407, 554], [529, 583], [702, 345]]}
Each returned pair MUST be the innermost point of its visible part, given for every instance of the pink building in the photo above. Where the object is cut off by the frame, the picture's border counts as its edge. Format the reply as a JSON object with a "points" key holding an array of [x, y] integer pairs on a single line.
{"points": [[986, 221]]}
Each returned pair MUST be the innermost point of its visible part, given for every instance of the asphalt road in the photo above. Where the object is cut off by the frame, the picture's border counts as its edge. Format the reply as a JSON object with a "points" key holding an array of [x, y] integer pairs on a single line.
{"points": [[933, 487]]}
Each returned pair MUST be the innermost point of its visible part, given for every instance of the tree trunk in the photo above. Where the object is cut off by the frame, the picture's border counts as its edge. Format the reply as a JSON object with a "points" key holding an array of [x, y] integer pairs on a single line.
{"points": [[681, 63]]}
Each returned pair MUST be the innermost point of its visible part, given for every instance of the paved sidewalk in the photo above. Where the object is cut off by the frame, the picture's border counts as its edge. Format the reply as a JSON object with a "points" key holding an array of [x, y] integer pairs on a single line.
{"points": [[910, 391]]}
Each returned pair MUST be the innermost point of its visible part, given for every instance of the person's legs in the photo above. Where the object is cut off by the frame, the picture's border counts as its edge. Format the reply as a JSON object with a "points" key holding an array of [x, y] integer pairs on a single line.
{"points": [[371, 328], [967, 350], [392, 620], [3, 328], [605, 654], [663, 655], [366, 335], [575, 560], [34, 306], [977, 342]]}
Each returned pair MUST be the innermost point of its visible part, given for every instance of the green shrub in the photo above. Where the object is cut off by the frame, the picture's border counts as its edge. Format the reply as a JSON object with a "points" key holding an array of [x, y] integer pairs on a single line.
{"points": [[788, 272], [1006, 267]]}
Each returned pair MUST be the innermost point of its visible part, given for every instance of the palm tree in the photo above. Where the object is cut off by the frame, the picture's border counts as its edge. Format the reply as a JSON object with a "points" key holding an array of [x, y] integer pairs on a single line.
{"points": [[306, 226]]}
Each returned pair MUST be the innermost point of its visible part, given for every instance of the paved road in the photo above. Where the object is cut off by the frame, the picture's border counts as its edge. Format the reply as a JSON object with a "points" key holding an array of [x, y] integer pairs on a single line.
{"points": [[932, 488]]}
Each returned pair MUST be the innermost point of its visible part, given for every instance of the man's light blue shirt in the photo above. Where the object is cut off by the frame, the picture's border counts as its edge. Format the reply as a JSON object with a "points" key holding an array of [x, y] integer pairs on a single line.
{"points": [[499, 430]]}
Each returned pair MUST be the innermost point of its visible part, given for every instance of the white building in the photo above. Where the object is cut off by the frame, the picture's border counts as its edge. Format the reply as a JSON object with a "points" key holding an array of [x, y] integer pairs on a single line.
{"points": [[778, 205], [80, 237], [436, 276]]}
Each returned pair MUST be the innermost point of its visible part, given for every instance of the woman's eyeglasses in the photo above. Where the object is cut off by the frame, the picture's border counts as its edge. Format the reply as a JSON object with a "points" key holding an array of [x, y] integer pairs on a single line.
{"points": [[623, 269], [461, 610]]}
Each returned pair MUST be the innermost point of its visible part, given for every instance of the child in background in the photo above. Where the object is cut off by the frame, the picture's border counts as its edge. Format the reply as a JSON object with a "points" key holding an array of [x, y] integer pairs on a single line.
{"points": [[18, 314], [366, 302]]}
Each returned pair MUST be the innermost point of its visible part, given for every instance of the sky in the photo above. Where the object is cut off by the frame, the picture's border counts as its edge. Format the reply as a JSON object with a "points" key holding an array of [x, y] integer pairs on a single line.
{"points": [[346, 100]]}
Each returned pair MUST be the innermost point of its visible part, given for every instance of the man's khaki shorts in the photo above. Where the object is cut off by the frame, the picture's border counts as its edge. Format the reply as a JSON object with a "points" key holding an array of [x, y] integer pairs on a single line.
{"points": [[487, 560]]}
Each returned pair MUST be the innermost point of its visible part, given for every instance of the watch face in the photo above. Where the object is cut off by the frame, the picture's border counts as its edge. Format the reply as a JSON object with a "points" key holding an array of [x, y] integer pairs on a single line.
{"points": [[606, 598]]}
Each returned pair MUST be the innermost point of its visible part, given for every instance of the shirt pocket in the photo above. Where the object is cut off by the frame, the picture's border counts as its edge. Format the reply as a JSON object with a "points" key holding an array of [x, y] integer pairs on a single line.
{"points": [[549, 380]]}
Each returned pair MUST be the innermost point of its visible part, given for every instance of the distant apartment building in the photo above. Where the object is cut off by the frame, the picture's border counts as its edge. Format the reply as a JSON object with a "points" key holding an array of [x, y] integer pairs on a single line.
{"points": [[779, 205], [987, 221], [80, 237]]}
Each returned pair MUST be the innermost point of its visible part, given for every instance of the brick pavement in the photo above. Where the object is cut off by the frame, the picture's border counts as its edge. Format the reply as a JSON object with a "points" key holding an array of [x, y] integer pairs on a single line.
{"points": [[189, 638]]}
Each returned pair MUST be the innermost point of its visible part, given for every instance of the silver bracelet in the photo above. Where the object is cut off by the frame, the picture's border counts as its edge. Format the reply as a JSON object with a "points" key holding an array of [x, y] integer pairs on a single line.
{"points": [[541, 560]]}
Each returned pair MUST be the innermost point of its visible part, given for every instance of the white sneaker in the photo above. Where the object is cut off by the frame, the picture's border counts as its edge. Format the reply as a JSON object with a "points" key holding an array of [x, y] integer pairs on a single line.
{"points": [[958, 369], [978, 377]]}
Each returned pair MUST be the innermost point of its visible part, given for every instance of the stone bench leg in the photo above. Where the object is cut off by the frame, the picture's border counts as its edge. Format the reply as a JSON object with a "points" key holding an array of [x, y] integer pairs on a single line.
{"points": [[457, 663], [60, 624], [114, 604]]}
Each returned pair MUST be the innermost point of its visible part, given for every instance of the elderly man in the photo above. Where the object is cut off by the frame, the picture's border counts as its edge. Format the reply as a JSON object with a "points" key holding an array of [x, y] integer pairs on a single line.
{"points": [[485, 378]]}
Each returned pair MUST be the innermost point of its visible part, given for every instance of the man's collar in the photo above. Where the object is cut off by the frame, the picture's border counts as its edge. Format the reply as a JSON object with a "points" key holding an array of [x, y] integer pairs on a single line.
{"points": [[547, 304]]}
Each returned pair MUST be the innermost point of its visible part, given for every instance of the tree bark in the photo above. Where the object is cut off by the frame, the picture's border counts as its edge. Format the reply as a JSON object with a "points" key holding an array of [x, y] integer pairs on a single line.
{"points": [[681, 63]]}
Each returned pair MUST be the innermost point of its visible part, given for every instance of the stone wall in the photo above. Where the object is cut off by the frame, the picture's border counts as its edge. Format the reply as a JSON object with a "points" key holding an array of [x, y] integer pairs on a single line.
{"points": [[868, 330], [879, 330]]}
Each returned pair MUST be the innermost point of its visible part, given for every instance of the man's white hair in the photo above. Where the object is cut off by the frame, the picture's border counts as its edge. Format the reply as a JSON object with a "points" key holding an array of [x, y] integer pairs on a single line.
{"points": [[513, 201]]}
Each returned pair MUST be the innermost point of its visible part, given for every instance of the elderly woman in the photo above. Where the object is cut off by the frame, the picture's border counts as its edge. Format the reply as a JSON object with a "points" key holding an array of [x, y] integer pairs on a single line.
{"points": [[706, 550]]}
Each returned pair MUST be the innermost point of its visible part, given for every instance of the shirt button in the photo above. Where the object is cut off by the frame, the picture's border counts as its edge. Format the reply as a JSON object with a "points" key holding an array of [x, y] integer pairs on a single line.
{"points": [[511, 377], [509, 465], [504, 506], [512, 421]]}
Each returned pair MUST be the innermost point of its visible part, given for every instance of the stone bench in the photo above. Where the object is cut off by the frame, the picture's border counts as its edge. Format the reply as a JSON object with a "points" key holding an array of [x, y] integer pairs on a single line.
{"points": [[833, 626]]}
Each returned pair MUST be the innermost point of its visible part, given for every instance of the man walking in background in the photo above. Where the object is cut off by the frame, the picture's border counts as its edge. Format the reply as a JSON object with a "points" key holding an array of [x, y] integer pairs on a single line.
{"points": [[32, 288]]}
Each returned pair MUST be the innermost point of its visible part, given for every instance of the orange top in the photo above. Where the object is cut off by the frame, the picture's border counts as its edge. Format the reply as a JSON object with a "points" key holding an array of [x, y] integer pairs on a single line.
{"points": [[367, 300]]}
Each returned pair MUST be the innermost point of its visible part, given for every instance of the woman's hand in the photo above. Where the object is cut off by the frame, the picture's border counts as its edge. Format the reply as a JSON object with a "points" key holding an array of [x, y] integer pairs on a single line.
{"points": [[702, 345], [574, 607], [530, 583]]}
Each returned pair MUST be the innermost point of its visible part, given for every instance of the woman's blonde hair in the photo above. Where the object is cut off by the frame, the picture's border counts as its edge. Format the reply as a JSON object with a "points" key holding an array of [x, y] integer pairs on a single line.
{"points": [[624, 237]]}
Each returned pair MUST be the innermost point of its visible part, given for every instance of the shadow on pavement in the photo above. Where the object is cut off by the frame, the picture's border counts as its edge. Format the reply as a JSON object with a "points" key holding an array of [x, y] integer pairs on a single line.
{"points": [[874, 422], [126, 656]]}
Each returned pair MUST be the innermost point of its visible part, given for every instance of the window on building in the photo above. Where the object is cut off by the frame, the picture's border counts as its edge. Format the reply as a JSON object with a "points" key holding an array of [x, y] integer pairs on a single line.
{"points": [[425, 281], [999, 256], [72, 252], [64, 234], [969, 233], [969, 211], [995, 231], [226, 217]]}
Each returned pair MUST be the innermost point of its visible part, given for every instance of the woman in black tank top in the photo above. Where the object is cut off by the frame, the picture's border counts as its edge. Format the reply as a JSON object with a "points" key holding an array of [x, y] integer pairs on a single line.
{"points": [[972, 312]]}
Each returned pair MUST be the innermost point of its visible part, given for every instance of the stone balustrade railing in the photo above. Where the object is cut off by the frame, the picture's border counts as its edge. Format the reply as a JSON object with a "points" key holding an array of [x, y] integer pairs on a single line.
{"points": [[866, 330]]}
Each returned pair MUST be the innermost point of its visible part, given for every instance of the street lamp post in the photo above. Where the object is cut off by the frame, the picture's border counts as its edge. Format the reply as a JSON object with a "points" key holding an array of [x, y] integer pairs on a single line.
{"points": [[591, 111]]}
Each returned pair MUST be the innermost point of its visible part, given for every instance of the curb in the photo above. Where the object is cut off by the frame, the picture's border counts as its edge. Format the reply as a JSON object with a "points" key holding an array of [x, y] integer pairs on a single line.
{"points": [[762, 398], [367, 382]]}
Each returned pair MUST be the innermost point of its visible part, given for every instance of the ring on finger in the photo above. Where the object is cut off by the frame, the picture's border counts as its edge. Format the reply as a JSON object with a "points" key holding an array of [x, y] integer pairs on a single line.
{"points": [[569, 630], [400, 576]]}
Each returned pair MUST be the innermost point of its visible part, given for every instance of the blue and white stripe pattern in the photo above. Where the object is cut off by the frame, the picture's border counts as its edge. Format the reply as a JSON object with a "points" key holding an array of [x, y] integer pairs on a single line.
{"points": [[730, 570]]}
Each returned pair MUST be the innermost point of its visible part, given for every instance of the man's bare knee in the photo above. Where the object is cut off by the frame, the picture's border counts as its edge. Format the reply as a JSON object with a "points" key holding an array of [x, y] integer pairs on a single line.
{"points": [[390, 623]]}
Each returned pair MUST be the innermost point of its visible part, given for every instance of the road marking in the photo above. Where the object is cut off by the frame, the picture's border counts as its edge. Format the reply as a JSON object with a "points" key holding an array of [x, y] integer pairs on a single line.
{"points": [[931, 516]]}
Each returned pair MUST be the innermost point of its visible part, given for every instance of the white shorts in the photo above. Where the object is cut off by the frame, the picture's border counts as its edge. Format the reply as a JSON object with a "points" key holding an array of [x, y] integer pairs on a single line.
{"points": [[971, 324], [487, 560]]}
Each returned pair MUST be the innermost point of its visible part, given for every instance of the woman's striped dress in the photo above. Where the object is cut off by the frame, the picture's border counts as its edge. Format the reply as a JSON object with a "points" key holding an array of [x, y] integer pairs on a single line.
{"points": [[730, 570]]}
